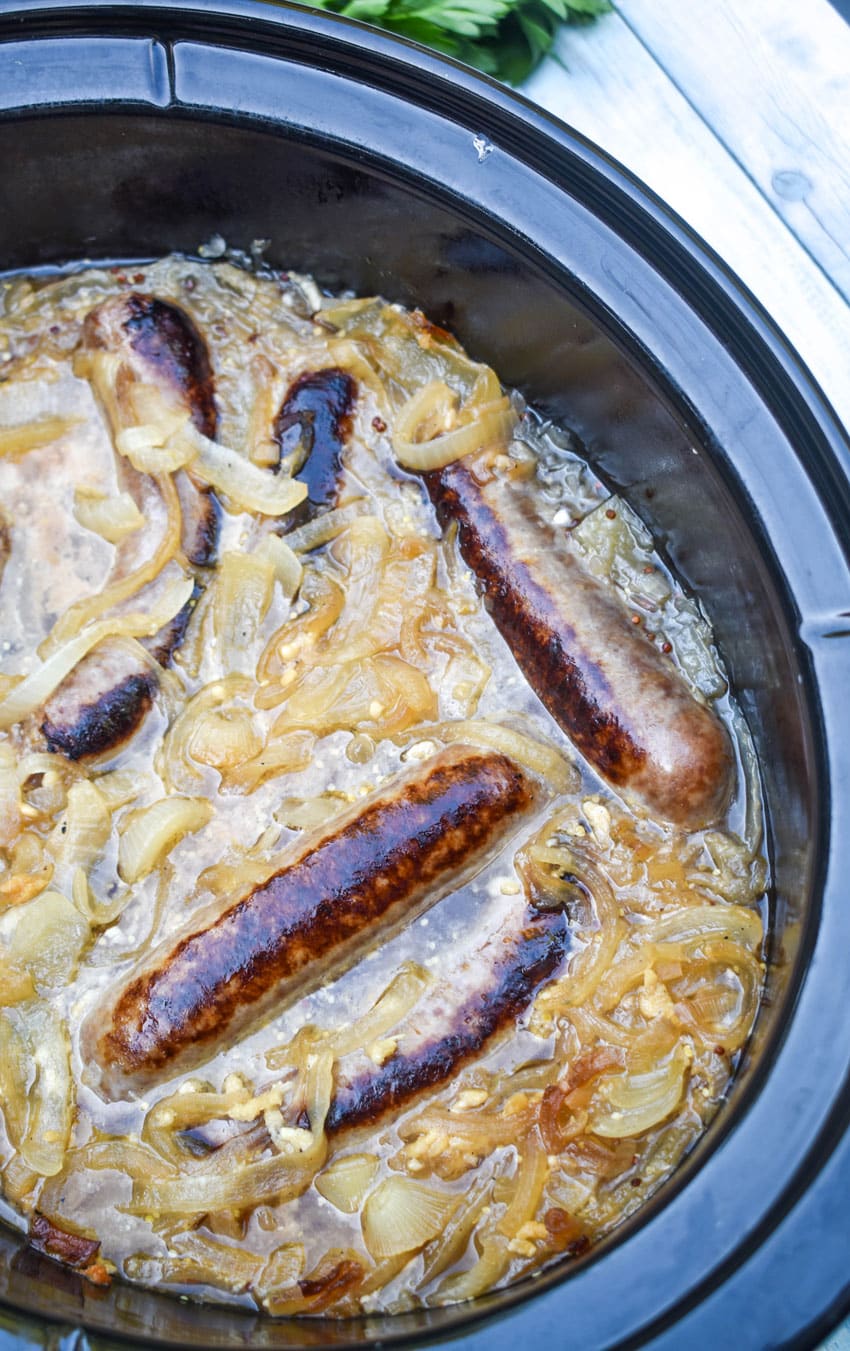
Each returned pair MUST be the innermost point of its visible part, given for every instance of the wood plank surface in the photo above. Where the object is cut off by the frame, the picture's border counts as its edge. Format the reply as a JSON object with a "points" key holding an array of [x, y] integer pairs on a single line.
{"points": [[606, 82], [772, 80]]}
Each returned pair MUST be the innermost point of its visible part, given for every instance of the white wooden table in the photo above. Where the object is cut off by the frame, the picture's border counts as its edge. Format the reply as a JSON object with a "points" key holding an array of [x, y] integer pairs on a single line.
{"points": [[737, 113]]}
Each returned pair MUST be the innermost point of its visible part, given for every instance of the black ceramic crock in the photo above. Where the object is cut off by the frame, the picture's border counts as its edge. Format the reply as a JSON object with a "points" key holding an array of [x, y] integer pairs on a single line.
{"points": [[130, 130]]}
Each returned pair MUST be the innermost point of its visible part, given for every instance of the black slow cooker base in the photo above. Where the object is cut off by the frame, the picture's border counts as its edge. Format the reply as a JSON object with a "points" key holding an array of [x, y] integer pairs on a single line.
{"points": [[128, 131]]}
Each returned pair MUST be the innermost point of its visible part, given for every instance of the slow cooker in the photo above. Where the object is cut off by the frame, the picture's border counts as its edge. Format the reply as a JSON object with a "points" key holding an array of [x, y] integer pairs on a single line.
{"points": [[128, 130]]}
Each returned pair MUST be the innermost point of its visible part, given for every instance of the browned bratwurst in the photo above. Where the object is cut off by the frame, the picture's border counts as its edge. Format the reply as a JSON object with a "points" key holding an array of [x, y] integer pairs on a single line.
{"points": [[623, 703], [315, 420], [105, 698], [160, 345], [469, 1007], [344, 890]]}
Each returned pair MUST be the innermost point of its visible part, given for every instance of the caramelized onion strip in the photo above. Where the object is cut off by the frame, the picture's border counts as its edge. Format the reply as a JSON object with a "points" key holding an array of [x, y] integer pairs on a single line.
{"points": [[35, 689], [431, 431], [85, 611], [545, 760]]}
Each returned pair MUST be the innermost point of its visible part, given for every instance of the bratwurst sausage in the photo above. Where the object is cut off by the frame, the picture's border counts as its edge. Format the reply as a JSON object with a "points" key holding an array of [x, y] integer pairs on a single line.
{"points": [[472, 1003], [160, 345], [346, 889], [105, 698], [314, 420], [620, 700]]}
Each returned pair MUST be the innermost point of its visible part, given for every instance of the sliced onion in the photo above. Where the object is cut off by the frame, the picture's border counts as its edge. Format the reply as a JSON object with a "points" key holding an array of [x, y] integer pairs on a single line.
{"points": [[529, 1182], [15, 1076], [124, 1155], [101, 369], [318, 1090], [241, 599], [97, 913], [149, 833], [305, 813], [174, 761], [188, 1108], [325, 527], [261, 446], [577, 988], [466, 679], [36, 1085], [34, 690], [450, 1245], [495, 1253], [388, 590], [637, 1102], [150, 451], [10, 796], [482, 1276], [545, 760], [121, 590], [352, 357], [120, 786], [198, 1259], [142, 418], [113, 518], [288, 568], [472, 1133], [48, 938], [156, 404], [18, 440], [285, 756], [346, 1181], [694, 921], [738, 873], [16, 983], [420, 445], [429, 413], [401, 995], [281, 1270], [247, 487], [294, 638], [224, 740], [382, 695], [333, 1285], [83, 829], [705, 1012], [222, 1183], [401, 1215]]}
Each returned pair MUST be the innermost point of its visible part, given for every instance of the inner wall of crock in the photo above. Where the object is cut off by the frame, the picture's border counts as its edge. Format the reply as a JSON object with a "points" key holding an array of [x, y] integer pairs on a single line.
{"points": [[124, 186]]}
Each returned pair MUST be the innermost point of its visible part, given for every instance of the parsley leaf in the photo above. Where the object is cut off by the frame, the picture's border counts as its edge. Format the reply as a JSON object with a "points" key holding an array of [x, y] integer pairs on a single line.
{"points": [[504, 38]]}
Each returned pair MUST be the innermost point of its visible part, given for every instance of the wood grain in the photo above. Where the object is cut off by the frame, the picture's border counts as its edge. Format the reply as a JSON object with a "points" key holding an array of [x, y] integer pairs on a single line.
{"points": [[608, 83], [772, 79]]}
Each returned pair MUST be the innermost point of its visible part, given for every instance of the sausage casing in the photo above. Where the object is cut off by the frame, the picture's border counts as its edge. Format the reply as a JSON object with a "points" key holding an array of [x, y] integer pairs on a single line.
{"points": [[620, 700], [458, 1020]]}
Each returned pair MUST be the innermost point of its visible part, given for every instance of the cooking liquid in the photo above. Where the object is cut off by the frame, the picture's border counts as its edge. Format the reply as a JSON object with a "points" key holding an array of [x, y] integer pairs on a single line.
{"points": [[594, 1180]]}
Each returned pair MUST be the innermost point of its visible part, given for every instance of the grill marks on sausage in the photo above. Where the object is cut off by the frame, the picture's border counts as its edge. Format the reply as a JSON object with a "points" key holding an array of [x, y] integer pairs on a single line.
{"points": [[105, 699], [166, 345], [316, 416], [623, 704], [349, 888], [103, 705], [456, 1023], [201, 521]]}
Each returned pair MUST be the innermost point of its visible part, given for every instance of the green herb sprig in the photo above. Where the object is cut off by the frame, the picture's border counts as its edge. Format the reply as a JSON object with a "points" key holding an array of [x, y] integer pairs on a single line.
{"points": [[504, 38]]}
